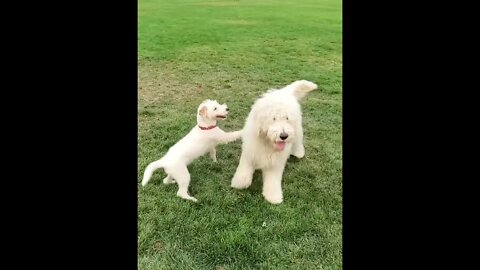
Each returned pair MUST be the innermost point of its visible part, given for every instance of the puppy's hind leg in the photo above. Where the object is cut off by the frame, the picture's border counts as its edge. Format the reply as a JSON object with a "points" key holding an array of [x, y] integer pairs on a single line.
{"points": [[168, 180], [213, 154], [182, 176]]}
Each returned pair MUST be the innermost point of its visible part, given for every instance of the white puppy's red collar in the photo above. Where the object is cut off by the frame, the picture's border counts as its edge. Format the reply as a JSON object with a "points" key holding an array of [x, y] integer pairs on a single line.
{"points": [[207, 128]]}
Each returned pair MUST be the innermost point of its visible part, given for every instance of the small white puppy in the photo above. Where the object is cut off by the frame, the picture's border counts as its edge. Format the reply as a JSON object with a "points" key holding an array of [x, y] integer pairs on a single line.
{"points": [[202, 139], [273, 131]]}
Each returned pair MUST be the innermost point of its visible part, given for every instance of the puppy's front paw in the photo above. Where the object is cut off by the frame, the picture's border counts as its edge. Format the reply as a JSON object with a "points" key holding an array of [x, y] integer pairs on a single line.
{"points": [[186, 197]]}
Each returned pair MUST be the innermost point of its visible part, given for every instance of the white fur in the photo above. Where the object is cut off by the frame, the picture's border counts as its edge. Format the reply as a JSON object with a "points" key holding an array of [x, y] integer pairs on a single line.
{"points": [[195, 144], [277, 112]]}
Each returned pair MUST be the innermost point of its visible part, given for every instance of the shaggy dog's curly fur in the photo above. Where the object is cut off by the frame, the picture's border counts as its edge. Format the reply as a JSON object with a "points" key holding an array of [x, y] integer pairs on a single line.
{"points": [[273, 131]]}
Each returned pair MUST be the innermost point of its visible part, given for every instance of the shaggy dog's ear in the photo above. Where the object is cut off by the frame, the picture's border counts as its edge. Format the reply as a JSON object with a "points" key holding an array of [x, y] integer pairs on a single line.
{"points": [[260, 118], [203, 111]]}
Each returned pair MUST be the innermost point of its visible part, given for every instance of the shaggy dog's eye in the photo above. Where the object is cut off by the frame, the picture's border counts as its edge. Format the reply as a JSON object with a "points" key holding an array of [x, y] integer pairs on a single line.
{"points": [[273, 118], [287, 117], [215, 108]]}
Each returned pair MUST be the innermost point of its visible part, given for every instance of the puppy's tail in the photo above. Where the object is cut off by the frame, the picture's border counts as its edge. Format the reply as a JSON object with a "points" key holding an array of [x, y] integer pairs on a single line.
{"points": [[150, 169], [301, 88]]}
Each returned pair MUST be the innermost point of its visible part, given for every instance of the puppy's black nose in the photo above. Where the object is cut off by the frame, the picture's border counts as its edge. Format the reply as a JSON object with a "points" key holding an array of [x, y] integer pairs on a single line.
{"points": [[226, 109], [283, 136]]}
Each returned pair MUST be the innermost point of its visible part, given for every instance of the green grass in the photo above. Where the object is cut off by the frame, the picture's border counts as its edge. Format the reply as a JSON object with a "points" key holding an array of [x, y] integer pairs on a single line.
{"points": [[233, 51]]}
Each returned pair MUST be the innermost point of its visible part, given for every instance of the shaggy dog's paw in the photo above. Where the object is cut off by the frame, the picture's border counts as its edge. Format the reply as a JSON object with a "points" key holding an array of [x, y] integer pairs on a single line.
{"points": [[273, 198], [241, 182]]}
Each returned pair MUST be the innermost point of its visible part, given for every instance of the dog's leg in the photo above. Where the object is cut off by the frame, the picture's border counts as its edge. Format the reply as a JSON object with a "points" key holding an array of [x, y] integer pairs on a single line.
{"points": [[298, 149], [243, 176], [182, 176], [272, 184], [226, 137], [168, 180], [213, 154]]}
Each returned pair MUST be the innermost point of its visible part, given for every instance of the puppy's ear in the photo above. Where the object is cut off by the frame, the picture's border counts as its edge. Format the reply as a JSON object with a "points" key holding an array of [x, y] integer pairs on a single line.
{"points": [[203, 111]]}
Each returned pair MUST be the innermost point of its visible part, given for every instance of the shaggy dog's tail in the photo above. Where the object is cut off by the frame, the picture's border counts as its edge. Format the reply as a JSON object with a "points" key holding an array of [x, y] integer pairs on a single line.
{"points": [[150, 169], [301, 88]]}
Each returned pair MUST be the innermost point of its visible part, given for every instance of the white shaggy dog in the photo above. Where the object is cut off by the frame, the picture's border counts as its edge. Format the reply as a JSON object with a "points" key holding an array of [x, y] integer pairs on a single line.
{"points": [[273, 131], [202, 139]]}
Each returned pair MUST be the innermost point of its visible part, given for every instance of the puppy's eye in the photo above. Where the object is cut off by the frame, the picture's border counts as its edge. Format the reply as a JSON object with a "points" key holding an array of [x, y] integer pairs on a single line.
{"points": [[287, 117], [274, 119], [215, 108]]}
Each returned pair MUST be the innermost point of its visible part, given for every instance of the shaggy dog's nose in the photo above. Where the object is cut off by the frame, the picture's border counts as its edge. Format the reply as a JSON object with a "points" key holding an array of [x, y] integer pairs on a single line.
{"points": [[283, 135]]}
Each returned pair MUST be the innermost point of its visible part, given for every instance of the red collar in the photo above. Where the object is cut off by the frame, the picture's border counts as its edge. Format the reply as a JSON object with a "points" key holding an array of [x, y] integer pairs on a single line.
{"points": [[207, 128]]}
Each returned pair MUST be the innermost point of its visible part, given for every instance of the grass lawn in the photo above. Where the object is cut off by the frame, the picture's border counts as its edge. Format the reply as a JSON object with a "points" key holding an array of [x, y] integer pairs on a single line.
{"points": [[233, 51]]}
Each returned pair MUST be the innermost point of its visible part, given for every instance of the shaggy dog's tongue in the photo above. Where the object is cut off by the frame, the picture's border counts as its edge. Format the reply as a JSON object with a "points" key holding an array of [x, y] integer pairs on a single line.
{"points": [[280, 145]]}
